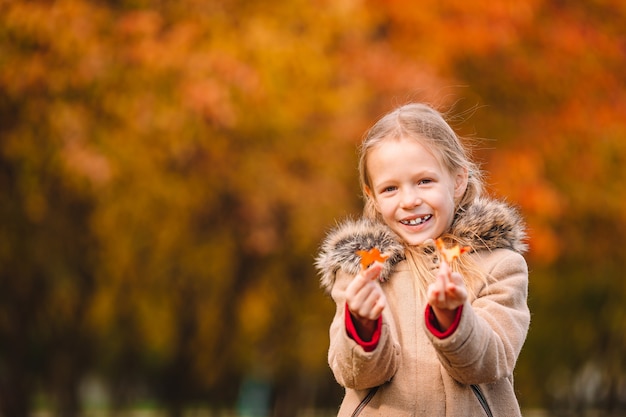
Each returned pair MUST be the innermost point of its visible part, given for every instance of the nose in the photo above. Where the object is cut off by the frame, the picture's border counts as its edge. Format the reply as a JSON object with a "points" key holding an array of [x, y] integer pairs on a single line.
{"points": [[410, 199]]}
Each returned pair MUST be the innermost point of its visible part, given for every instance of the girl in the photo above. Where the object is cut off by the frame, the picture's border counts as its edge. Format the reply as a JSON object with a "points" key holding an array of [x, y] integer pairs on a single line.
{"points": [[416, 335]]}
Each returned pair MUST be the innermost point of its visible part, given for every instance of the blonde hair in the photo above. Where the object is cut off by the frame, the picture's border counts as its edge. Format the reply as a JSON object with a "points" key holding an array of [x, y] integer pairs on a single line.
{"points": [[428, 126]]}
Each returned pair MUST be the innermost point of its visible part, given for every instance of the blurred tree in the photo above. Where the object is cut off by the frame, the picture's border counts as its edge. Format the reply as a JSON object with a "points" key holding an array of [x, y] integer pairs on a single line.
{"points": [[167, 170], [554, 99], [191, 149], [48, 255]]}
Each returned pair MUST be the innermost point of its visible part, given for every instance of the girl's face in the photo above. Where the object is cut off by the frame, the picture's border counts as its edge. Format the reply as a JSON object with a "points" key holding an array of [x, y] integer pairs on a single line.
{"points": [[412, 191]]}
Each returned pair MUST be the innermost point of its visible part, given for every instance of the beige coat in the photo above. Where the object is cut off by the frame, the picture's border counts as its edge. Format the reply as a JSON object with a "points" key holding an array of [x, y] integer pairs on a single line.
{"points": [[419, 374]]}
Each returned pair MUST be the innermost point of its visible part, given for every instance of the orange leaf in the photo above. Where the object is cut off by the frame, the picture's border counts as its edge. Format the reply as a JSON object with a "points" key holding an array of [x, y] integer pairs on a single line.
{"points": [[450, 254], [368, 257]]}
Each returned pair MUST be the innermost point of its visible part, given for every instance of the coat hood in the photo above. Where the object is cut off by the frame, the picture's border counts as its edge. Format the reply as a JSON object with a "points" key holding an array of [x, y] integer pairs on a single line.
{"points": [[486, 224]]}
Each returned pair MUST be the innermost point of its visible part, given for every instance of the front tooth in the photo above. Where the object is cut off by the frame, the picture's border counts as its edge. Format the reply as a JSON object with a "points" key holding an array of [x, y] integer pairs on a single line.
{"points": [[415, 222]]}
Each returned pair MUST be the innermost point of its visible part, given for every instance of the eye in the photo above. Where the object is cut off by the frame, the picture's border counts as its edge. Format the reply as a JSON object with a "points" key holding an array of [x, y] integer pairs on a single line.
{"points": [[424, 181], [388, 189]]}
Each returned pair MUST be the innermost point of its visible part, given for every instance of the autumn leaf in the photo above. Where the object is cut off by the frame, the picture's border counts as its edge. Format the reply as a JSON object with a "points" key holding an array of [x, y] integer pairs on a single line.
{"points": [[368, 257], [450, 254]]}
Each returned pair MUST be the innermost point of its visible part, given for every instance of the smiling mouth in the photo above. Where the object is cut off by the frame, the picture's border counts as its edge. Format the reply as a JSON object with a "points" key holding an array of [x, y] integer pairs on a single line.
{"points": [[417, 221]]}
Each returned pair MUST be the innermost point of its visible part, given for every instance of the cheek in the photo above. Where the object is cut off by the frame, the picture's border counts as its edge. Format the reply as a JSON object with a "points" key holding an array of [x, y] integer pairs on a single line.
{"points": [[445, 204], [449, 206], [386, 209]]}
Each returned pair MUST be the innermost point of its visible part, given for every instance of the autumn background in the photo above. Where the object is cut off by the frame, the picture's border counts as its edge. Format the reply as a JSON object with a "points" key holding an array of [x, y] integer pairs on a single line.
{"points": [[168, 170]]}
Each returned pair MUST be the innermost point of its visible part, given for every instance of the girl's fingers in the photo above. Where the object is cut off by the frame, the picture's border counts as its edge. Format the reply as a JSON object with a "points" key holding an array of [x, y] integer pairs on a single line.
{"points": [[457, 288], [378, 308], [448, 291], [374, 305], [442, 275], [456, 278], [360, 287], [443, 285], [432, 294], [364, 296], [364, 278], [373, 271]]}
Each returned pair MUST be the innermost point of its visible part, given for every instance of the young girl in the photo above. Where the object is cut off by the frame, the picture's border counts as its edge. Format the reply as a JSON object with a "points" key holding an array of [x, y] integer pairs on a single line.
{"points": [[417, 335]]}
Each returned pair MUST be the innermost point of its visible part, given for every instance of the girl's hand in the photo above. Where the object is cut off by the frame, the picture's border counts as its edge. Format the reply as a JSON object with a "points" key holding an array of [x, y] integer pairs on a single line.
{"points": [[366, 300], [446, 294]]}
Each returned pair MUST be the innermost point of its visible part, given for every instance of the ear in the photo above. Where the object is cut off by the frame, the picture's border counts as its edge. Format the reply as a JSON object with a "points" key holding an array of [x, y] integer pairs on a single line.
{"points": [[460, 183], [370, 196]]}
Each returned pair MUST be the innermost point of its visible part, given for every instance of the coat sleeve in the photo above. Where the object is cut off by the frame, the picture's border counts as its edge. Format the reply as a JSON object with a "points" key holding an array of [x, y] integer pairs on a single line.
{"points": [[492, 330], [351, 365]]}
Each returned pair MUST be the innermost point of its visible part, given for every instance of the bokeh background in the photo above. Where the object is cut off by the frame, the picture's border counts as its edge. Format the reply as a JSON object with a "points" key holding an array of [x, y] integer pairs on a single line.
{"points": [[168, 170]]}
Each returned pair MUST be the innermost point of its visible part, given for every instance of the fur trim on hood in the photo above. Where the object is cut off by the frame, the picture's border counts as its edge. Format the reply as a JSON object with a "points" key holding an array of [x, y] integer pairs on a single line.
{"points": [[486, 224]]}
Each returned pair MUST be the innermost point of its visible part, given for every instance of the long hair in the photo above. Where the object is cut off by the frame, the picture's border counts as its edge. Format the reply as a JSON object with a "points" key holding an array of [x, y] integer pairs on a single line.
{"points": [[426, 125]]}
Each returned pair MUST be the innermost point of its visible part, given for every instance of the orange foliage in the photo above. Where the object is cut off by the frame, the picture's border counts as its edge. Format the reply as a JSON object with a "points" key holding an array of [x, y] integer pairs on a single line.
{"points": [[207, 146], [368, 257], [451, 253]]}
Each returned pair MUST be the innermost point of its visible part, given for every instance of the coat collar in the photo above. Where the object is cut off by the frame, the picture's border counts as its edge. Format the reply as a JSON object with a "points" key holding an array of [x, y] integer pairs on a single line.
{"points": [[487, 224]]}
